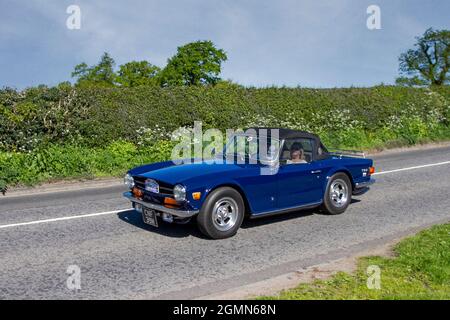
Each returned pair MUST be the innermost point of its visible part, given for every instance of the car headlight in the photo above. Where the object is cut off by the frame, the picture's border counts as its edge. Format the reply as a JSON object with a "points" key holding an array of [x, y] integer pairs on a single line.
{"points": [[179, 192], [129, 181]]}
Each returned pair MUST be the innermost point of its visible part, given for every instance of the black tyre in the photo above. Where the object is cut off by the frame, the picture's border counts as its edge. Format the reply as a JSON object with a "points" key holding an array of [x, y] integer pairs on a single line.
{"points": [[338, 194], [222, 213]]}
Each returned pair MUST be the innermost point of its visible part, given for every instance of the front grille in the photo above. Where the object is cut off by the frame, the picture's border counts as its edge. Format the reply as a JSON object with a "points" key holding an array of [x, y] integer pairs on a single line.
{"points": [[164, 188]]}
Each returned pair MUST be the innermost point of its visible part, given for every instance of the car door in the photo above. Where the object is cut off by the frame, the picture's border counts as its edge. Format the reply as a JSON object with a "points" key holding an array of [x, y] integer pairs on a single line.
{"points": [[260, 189], [259, 181], [299, 183]]}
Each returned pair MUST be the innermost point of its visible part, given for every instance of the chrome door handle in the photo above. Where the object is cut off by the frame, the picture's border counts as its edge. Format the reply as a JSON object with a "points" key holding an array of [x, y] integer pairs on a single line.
{"points": [[316, 171]]}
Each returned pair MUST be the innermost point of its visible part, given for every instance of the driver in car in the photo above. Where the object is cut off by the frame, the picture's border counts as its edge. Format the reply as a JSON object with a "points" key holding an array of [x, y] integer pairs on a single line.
{"points": [[297, 154]]}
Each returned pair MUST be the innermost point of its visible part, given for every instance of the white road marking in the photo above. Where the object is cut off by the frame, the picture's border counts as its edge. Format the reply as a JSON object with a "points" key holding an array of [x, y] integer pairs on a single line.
{"points": [[61, 219], [123, 210], [412, 168]]}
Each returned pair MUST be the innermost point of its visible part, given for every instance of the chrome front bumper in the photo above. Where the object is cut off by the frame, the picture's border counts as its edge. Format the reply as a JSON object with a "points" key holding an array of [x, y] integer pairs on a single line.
{"points": [[158, 207]]}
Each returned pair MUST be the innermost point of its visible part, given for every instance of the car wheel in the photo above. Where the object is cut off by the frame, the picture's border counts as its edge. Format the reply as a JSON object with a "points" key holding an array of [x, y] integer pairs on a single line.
{"points": [[222, 213], [338, 194]]}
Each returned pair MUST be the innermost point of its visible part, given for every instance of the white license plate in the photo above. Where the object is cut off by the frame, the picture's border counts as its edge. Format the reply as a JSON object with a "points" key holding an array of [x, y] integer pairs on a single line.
{"points": [[149, 216]]}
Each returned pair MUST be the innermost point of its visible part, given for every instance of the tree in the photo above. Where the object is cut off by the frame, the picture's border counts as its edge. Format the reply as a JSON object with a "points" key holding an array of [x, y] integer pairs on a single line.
{"points": [[196, 63], [100, 74], [411, 81], [428, 63], [137, 73]]}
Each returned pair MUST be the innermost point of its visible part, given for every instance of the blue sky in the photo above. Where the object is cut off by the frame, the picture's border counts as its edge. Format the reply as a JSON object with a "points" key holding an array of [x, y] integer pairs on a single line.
{"points": [[321, 43]]}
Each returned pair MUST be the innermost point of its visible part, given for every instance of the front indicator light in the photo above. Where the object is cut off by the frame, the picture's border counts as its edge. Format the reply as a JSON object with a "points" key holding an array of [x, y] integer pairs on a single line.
{"points": [[137, 193], [196, 195], [171, 202], [371, 170]]}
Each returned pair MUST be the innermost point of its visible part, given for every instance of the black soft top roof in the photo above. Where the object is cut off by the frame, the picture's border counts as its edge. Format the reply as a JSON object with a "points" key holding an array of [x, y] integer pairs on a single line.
{"points": [[287, 133]]}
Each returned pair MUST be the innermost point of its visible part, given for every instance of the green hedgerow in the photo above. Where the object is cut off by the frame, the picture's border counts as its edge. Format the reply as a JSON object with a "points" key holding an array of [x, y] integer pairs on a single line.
{"points": [[95, 116]]}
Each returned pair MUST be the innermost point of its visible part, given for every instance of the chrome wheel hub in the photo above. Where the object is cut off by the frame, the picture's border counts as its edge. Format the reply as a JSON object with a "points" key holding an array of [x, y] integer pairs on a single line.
{"points": [[225, 213], [339, 193]]}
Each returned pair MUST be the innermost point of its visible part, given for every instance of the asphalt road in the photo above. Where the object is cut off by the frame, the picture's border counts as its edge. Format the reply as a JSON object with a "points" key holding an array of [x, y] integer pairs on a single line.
{"points": [[120, 257]]}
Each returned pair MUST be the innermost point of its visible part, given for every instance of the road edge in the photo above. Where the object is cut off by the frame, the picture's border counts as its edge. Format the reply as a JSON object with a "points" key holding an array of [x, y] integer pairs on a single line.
{"points": [[64, 186]]}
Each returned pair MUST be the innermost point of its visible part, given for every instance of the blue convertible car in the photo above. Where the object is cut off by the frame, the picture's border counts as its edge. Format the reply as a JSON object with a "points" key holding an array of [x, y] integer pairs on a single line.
{"points": [[300, 174]]}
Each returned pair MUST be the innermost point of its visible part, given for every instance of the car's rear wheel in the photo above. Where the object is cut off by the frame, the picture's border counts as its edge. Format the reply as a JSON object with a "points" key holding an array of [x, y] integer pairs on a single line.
{"points": [[222, 213], [338, 194]]}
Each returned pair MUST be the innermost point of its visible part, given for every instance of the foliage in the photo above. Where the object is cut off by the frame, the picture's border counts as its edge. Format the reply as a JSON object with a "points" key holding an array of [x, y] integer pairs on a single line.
{"points": [[429, 61], [95, 117], [421, 270], [72, 161], [137, 73], [41, 115], [196, 63], [3, 186], [410, 81], [101, 74]]}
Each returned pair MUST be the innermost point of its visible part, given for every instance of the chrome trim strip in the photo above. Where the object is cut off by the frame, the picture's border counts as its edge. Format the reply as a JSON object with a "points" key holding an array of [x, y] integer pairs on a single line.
{"points": [[285, 210], [364, 184], [174, 212]]}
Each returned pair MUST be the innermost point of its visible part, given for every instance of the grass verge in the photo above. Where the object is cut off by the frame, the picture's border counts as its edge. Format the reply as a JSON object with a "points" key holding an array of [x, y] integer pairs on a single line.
{"points": [[420, 270], [59, 162]]}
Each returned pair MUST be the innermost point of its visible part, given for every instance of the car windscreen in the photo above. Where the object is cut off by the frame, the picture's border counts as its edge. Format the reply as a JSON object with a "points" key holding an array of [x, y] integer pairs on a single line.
{"points": [[252, 148]]}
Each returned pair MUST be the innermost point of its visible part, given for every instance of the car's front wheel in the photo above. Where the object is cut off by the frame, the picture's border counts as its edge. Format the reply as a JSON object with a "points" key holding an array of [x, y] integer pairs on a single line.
{"points": [[222, 213], [338, 194]]}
